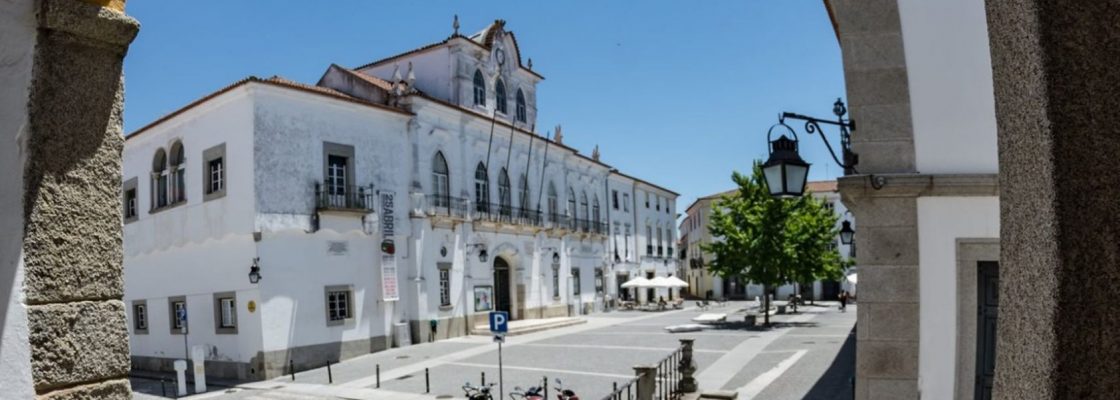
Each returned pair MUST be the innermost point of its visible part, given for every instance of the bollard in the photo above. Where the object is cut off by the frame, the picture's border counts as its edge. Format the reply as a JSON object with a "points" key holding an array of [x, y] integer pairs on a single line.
{"points": [[614, 390], [292, 369], [483, 378], [181, 376], [379, 376], [686, 367], [545, 378], [330, 378], [427, 382]]}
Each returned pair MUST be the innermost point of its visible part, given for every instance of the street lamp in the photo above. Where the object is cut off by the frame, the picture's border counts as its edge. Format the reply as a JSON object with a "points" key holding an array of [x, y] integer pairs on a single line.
{"points": [[846, 233], [785, 171], [481, 247], [255, 271]]}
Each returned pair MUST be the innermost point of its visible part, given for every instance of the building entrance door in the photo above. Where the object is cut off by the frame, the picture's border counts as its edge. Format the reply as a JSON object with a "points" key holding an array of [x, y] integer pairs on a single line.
{"points": [[502, 301], [987, 300]]}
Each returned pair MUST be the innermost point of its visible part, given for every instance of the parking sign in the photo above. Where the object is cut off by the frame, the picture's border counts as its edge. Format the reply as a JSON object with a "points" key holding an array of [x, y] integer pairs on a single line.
{"points": [[499, 321]]}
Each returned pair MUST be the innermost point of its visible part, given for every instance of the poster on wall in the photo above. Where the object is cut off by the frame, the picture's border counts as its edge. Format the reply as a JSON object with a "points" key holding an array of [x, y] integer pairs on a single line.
{"points": [[389, 289], [483, 298]]}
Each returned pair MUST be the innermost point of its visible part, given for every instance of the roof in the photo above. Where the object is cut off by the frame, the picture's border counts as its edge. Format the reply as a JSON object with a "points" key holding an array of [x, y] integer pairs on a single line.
{"points": [[273, 81], [615, 171], [811, 187], [373, 80], [483, 39]]}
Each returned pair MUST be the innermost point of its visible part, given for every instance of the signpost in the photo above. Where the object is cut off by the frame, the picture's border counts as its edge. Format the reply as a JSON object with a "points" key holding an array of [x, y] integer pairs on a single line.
{"points": [[181, 314], [499, 325]]}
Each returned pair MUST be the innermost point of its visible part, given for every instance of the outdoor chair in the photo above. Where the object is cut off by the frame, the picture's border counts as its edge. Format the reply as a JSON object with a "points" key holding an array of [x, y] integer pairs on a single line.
{"points": [[702, 305]]}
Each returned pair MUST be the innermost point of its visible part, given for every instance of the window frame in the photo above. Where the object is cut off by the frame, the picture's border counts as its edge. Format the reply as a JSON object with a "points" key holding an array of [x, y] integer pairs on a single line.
{"points": [[220, 327], [215, 153], [600, 281], [176, 328], [521, 111], [500, 101], [444, 270], [177, 185], [556, 281], [614, 199], [349, 304], [441, 180], [140, 307], [505, 194], [481, 188], [130, 208], [479, 88], [577, 289]]}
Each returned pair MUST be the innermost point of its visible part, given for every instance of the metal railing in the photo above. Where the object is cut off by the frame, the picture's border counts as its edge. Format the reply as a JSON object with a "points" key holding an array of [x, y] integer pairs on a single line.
{"points": [[627, 391], [508, 214], [344, 197], [447, 206], [667, 376]]}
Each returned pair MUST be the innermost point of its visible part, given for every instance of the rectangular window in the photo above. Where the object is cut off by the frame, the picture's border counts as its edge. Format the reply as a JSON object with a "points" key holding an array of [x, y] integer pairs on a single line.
{"points": [[575, 281], [647, 199], [626, 202], [555, 281], [178, 314], [130, 204], [214, 172], [140, 317], [445, 285], [339, 304], [599, 280], [225, 313], [338, 177], [658, 199], [217, 176], [614, 199]]}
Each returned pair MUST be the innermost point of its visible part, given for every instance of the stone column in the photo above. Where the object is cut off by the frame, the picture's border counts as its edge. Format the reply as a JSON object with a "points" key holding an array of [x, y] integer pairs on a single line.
{"points": [[687, 367], [1057, 109], [67, 148], [647, 381]]}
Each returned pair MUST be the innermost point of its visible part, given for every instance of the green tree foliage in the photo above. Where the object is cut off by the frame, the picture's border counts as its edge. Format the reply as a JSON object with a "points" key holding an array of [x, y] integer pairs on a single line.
{"points": [[772, 241]]}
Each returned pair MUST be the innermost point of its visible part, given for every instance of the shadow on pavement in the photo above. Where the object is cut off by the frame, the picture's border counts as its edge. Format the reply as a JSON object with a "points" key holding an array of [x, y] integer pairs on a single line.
{"points": [[837, 382]]}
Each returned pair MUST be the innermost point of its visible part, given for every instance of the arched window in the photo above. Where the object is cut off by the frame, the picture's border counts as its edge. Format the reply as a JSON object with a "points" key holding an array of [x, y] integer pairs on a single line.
{"points": [[521, 106], [178, 173], [572, 212], [479, 89], [159, 179], [595, 221], [553, 202], [500, 96], [505, 201], [523, 196], [583, 207], [481, 189], [441, 182]]}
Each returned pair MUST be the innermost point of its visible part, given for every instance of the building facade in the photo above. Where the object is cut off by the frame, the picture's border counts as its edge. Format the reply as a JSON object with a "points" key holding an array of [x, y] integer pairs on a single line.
{"points": [[392, 203], [704, 283], [926, 197]]}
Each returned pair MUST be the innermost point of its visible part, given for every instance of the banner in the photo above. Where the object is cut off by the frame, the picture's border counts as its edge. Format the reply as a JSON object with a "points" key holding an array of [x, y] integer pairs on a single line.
{"points": [[389, 288]]}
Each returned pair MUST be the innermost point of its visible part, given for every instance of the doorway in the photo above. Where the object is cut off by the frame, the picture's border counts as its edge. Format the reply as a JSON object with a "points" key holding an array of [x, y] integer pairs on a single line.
{"points": [[987, 302], [502, 301], [651, 293]]}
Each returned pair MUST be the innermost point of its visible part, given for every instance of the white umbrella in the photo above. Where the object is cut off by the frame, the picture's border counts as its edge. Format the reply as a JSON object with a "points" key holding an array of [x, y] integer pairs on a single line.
{"points": [[659, 282], [851, 278], [676, 282], [636, 283]]}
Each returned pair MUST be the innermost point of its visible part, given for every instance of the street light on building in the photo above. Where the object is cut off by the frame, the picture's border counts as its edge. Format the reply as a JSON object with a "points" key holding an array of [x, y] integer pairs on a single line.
{"points": [[255, 271], [846, 233], [785, 171]]}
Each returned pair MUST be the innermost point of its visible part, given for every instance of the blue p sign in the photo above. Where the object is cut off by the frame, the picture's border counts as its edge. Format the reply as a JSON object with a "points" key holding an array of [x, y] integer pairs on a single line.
{"points": [[499, 321]]}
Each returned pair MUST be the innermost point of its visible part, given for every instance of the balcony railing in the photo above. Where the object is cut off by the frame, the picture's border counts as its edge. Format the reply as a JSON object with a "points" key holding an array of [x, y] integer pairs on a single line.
{"points": [[507, 214], [446, 206], [344, 197]]}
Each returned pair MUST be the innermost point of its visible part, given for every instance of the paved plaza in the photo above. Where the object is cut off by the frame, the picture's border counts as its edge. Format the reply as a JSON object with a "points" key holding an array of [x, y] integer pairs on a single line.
{"points": [[809, 355]]}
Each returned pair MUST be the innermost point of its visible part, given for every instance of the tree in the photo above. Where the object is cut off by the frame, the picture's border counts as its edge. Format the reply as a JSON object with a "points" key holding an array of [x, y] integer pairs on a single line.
{"points": [[772, 241]]}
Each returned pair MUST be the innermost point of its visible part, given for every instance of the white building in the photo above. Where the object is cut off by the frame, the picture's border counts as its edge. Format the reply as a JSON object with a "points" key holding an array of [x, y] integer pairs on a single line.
{"points": [[368, 201], [706, 284]]}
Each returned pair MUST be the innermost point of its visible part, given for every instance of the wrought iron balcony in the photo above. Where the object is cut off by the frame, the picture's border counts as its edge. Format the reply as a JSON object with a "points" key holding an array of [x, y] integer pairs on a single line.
{"points": [[344, 198], [446, 206], [507, 214]]}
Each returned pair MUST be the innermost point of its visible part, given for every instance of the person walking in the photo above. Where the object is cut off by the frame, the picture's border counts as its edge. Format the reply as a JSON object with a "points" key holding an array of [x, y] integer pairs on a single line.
{"points": [[843, 300]]}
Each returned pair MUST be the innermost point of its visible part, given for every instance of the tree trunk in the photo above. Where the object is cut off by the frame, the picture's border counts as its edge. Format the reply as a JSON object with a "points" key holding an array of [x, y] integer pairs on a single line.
{"points": [[766, 305]]}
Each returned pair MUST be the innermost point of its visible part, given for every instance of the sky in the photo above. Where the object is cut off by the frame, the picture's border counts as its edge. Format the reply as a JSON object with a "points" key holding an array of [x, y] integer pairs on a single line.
{"points": [[678, 93]]}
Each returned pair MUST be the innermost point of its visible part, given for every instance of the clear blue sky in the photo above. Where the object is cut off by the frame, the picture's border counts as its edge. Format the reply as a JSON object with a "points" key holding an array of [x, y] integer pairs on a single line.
{"points": [[677, 93]]}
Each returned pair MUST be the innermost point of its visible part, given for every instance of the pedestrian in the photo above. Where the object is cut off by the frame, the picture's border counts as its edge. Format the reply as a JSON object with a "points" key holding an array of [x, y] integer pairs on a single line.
{"points": [[843, 300]]}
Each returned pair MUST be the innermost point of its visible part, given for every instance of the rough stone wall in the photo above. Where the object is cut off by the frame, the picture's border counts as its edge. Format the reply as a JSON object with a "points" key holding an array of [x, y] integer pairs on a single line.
{"points": [[1056, 93], [72, 237]]}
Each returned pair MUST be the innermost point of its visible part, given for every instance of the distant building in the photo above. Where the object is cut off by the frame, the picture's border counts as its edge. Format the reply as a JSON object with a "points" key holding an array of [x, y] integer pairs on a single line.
{"points": [[384, 201], [707, 284]]}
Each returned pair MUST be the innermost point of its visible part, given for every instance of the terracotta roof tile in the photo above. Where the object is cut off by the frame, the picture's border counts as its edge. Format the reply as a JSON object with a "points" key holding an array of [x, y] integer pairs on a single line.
{"points": [[821, 186]]}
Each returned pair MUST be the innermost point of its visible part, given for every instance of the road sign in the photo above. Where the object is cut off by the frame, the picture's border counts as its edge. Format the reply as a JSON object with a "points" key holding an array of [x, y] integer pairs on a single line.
{"points": [[499, 338], [499, 321], [182, 314]]}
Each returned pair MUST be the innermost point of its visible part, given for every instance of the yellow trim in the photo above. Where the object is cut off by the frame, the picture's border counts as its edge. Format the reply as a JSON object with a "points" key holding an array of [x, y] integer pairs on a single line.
{"points": [[115, 5]]}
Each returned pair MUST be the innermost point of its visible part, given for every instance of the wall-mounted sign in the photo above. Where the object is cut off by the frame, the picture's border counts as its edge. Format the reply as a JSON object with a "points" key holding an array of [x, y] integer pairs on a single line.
{"points": [[483, 298], [389, 289], [252, 305]]}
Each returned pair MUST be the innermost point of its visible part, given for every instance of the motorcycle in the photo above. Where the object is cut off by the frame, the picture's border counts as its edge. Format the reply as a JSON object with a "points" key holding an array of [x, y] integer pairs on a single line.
{"points": [[564, 394], [478, 392], [532, 393]]}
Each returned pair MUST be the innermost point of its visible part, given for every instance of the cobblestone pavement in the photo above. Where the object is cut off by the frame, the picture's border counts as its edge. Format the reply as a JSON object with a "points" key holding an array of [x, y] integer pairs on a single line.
{"points": [[807, 355]]}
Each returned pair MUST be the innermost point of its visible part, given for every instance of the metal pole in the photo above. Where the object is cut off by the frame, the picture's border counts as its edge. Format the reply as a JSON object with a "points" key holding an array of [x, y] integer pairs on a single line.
{"points": [[483, 378], [379, 376], [427, 382], [292, 369], [501, 383], [330, 377], [545, 378]]}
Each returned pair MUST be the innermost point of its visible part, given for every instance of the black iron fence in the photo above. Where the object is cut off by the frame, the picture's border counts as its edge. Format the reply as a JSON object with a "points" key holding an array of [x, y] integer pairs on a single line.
{"points": [[344, 197], [447, 206], [626, 391], [667, 376]]}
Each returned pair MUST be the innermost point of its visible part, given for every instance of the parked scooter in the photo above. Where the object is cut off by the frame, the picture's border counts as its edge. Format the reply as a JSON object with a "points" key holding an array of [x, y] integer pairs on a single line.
{"points": [[478, 392], [564, 394], [532, 393]]}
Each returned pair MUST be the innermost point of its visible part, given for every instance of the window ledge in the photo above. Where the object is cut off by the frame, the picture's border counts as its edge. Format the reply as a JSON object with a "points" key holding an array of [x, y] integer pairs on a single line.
{"points": [[226, 331], [446, 308], [214, 195], [167, 207], [131, 219], [140, 331]]}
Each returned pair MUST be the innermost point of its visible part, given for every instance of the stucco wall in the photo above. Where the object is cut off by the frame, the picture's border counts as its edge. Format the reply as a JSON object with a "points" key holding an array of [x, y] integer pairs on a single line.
{"points": [[941, 221], [950, 76], [17, 43]]}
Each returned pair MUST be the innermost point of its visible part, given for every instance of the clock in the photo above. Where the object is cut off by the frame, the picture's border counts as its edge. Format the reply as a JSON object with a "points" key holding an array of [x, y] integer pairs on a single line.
{"points": [[501, 56]]}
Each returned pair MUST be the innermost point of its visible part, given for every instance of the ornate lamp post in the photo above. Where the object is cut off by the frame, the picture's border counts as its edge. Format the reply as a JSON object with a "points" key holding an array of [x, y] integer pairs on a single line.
{"points": [[255, 271], [785, 171]]}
